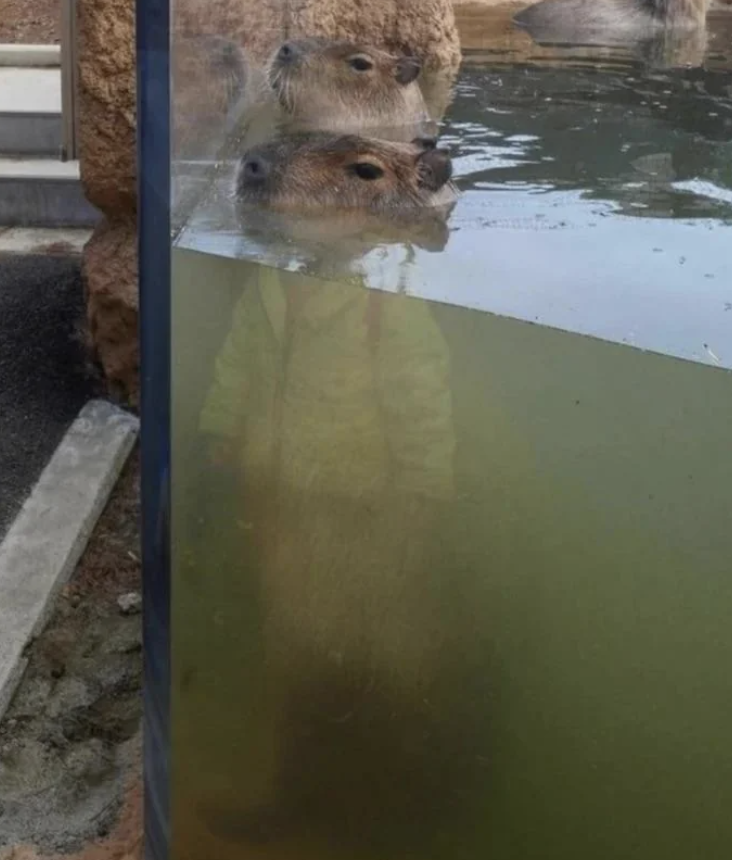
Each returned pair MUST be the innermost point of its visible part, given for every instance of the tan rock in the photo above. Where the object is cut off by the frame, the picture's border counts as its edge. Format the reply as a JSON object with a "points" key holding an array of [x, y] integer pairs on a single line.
{"points": [[107, 126], [422, 27], [208, 76], [18, 852], [110, 274]]}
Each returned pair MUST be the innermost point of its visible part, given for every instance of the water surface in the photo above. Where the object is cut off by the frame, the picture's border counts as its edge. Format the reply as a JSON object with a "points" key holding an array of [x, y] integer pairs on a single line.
{"points": [[594, 199]]}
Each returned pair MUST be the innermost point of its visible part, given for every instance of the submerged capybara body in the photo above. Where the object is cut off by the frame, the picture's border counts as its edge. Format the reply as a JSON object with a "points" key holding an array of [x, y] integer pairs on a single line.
{"points": [[614, 20], [334, 405], [321, 172]]}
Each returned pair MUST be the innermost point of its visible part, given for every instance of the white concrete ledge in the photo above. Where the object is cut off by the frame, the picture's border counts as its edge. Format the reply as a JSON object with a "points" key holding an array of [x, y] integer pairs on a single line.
{"points": [[39, 168], [45, 542], [43, 240], [39, 56]]}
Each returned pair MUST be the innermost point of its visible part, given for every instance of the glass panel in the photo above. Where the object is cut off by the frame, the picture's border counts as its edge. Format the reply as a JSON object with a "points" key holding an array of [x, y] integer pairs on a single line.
{"points": [[445, 582]]}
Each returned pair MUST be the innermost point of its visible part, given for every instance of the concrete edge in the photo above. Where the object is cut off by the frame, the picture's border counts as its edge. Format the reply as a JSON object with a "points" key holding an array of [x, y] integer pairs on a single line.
{"points": [[37, 56], [46, 241], [48, 536], [48, 169]]}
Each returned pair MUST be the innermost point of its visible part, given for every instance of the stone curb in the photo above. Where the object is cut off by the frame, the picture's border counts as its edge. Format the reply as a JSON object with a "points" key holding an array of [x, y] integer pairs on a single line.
{"points": [[36, 56], [45, 542], [47, 241]]}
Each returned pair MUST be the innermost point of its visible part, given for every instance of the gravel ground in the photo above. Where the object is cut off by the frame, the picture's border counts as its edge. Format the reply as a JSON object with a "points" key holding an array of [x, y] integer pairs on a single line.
{"points": [[70, 741], [45, 376]]}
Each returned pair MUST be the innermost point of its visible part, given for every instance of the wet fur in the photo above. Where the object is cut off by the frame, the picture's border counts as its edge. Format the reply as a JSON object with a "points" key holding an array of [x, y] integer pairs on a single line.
{"points": [[315, 172], [321, 90]]}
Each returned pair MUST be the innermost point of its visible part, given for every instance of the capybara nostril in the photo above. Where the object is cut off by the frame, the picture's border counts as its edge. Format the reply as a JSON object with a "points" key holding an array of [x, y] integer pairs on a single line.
{"points": [[287, 53], [254, 169]]}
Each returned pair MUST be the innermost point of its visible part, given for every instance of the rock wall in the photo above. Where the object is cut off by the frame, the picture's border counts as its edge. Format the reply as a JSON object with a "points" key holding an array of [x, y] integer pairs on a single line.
{"points": [[109, 267], [107, 143], [422, 27]]}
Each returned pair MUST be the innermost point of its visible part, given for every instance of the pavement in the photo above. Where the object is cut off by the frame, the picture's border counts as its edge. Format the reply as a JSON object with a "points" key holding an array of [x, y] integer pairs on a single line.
{"points": [[45, 376], [61, 449]]}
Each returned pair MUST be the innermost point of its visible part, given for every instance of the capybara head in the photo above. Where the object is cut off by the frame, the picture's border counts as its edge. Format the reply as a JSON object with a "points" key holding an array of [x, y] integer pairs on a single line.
{"points": [[336, 85], [326, 172]]}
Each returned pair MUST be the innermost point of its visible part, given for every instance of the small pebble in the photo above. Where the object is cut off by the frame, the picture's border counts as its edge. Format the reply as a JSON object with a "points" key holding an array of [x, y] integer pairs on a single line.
{"points": [[130, 604]]}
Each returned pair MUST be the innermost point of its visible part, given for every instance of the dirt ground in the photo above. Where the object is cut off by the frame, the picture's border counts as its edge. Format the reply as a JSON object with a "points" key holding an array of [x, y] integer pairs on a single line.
{"points": [[70, 751], [34, 22]]}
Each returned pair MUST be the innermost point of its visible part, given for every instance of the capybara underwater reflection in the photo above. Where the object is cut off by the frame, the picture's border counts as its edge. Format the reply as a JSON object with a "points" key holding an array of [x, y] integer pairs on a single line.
{"points": [[332, 404]]}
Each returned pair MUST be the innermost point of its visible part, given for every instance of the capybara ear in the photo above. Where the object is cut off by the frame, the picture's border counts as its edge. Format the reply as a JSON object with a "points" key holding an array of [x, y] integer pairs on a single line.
{"points": [[425, 143], [407, 70], [434, 167]]}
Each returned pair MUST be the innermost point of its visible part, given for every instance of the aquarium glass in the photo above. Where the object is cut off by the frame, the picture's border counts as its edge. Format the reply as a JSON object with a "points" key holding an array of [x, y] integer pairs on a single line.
{"points": [[450, 341]]}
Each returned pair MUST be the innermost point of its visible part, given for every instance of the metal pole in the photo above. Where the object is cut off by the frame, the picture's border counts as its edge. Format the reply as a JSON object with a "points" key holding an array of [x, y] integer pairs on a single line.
{"points": [[69, 77]]}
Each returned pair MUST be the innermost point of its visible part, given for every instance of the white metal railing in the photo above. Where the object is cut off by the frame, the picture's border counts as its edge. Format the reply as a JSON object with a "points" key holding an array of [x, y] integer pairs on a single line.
{"points": [[69, 81]]}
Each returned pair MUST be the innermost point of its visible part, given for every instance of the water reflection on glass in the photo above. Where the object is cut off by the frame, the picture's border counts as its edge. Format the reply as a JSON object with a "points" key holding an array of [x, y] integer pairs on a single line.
{"points": [[451, 584]]}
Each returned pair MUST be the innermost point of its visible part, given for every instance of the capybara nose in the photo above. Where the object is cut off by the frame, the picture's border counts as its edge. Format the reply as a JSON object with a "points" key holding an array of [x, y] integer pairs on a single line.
{"points": [[255, 169], [287, 53]]}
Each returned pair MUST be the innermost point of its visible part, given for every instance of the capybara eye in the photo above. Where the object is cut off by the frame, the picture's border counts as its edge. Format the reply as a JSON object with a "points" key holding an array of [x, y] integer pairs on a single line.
{"points": [[366, 170], [360, 64]]}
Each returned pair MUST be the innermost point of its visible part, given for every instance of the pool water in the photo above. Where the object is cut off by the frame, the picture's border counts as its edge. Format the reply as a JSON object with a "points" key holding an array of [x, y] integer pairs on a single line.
{"points": [[618, 186], [450, 514]]}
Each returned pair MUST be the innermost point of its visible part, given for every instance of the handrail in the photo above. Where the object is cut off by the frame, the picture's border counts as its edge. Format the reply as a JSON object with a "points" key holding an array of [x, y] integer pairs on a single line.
{"points": [[69, 81]]}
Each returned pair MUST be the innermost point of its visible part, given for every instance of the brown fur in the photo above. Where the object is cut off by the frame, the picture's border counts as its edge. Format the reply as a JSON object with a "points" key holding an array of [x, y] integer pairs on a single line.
{"points": [[325, 172], [423, 28], [323, 84]]}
